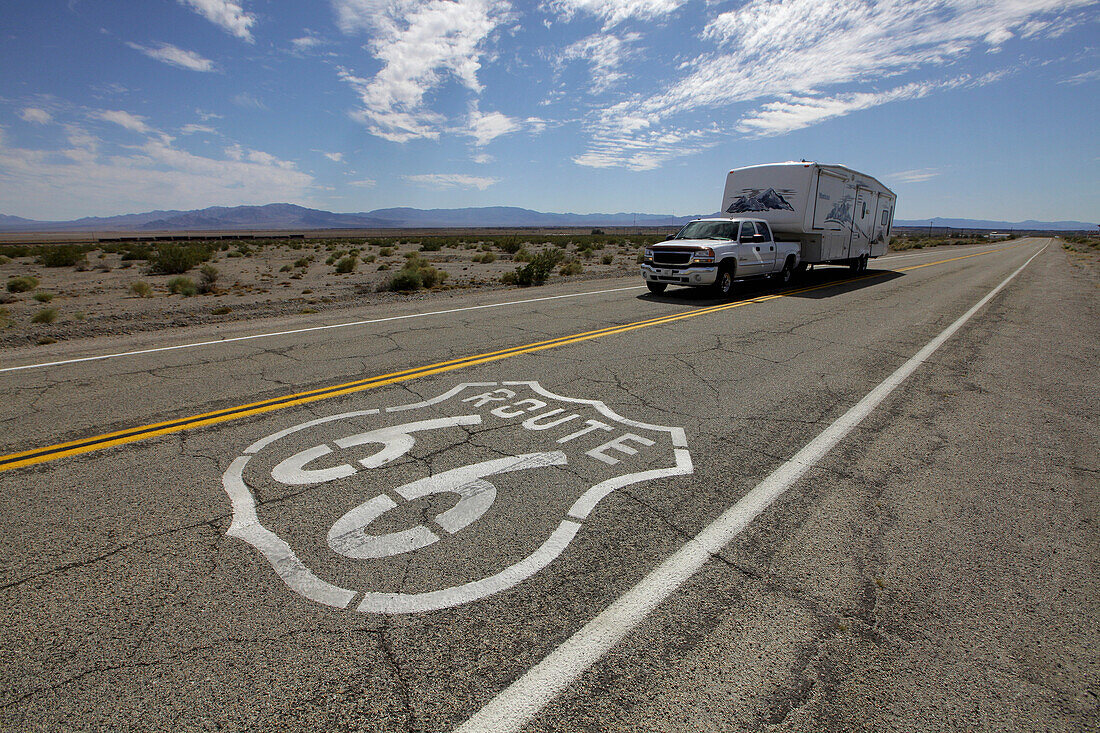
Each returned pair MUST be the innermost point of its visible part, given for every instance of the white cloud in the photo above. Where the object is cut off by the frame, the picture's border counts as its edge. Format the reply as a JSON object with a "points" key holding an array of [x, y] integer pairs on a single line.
{"points": [[421, 44], [36, 115], [226, 14], [452, 180], [796, 112], [334, 157], [803, 46], [482, 158], [173, 56], [85, 180], [605, 55], [918, 175], [1077, 78], [811, 60], [306, 42], [613, 12], [192, 128], [486, 128], [644, 150], [364, 183], [248, 101], [124, 119]]}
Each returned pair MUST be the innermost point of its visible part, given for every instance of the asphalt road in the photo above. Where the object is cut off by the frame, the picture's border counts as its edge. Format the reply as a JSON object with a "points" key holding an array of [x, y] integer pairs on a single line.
{"points": [[421, 537]]}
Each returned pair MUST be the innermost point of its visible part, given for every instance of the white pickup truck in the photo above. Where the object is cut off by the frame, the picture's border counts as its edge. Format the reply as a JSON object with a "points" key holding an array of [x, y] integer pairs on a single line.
{"points": [[716, 253]]}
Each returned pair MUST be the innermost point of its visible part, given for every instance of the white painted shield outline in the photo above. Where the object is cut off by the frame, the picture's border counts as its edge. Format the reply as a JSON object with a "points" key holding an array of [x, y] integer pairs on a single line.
{"points": [[246, 525]]}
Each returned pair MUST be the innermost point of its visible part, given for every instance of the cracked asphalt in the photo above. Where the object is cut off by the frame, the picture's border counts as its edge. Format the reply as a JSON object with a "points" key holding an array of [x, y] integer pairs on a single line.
{"points": [[936, 571]]}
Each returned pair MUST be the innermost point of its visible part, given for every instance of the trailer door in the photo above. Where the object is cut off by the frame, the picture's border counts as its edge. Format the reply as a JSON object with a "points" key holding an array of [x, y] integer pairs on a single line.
{"points": [[831, 203], [863, 209]]}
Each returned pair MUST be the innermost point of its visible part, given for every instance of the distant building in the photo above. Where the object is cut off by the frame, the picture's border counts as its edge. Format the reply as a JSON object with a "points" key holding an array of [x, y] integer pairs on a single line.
{"points": [[998, 235]]}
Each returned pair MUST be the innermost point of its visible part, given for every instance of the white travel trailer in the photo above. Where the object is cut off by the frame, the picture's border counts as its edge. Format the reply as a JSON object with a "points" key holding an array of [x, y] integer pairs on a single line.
{"points": [[838, 215]]}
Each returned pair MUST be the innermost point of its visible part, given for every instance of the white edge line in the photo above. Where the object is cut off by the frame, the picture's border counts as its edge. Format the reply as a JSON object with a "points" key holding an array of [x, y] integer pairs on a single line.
{"points": [[313, 328], [523, 699]]}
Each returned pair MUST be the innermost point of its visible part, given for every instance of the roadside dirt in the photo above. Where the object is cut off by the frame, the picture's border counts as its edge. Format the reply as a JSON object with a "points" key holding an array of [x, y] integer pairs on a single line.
{"points": [[96, 298]]}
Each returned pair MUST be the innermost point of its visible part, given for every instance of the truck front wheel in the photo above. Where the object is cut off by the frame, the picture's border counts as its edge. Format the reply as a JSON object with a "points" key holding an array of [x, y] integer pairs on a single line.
{"points": [[657, 288], [724, 284]]}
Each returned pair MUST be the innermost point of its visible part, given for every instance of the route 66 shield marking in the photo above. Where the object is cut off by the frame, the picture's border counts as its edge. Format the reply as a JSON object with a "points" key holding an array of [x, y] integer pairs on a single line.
{"points": [[441, 502]]}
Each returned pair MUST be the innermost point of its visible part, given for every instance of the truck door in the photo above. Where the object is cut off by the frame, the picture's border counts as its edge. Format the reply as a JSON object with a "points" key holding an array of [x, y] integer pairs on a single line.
{"points": [[766, 247], [749, 258]]}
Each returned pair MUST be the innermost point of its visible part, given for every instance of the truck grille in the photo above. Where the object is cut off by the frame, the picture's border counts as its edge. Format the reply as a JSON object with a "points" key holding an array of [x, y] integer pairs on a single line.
{"points": [[671, 256]]}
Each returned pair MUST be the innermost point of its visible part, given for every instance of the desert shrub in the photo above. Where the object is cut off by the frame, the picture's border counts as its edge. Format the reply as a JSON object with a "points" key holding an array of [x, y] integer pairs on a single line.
{"points": [[406, 279], [486, 258], [416, 274], [4, 259], [47, 315], [386, 251], [182, 285], [522, 256], [608, 259], [538, 269], [136, 251], [62, 255], [431, 246], [22, 283], [573, 267], [285, 268], [221, 311], [174, 259], [301, 262], [141, 289], [79, 315], [369, 258], [208, 275], [43, 297], [347, 264], [5, 317], [18, 250], [511, 245]]}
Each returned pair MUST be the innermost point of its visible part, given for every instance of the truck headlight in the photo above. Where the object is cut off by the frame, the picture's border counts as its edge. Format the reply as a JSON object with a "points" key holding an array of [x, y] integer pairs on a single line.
{"points": [[648, 254], [704, 256]]}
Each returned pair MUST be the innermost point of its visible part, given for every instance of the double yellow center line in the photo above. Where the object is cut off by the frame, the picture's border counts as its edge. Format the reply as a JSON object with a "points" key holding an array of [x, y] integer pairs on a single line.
{"points": [[130, 435]]}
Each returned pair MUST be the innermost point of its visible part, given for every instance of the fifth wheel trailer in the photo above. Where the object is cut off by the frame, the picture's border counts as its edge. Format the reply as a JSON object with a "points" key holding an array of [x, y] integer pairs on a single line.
{"points": [[838, 215]]}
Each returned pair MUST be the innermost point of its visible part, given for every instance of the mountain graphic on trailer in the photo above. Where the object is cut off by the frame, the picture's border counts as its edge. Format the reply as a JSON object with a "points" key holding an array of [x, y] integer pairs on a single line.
{"points": [[764, 201]]}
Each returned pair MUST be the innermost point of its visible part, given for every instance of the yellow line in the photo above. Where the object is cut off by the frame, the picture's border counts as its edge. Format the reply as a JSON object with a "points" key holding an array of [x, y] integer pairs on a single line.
{"points": [[130, 435]]}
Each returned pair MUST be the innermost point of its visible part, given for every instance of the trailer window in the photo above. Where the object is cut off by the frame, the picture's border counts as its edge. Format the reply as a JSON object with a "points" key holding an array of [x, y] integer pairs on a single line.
{"points": [[885, 216]]}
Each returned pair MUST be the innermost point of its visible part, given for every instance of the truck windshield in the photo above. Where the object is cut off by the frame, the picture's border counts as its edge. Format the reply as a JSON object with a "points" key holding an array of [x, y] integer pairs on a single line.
{"points": [[709, 230]]}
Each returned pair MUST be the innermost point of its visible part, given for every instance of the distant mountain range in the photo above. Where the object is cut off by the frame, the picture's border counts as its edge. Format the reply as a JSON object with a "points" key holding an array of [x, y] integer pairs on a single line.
{"points": [[290, 216], [1030, 224]]}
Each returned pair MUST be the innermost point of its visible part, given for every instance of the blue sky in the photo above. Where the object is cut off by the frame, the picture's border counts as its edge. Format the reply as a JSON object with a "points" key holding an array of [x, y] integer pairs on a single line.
{"points": [[966, 108]]}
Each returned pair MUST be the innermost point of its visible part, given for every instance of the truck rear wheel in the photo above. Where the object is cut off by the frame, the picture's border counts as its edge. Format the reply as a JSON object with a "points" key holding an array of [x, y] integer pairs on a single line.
{"points": [[724, 284], [657, 288], [787, 273]]}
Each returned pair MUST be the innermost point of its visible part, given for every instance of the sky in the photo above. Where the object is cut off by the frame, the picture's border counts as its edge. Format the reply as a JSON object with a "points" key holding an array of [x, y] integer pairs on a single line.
{"points": [[965, 108]]}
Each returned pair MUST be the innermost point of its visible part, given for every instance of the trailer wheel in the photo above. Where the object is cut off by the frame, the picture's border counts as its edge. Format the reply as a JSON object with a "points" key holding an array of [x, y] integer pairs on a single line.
{"points": [[787, 273], [657, 288], [724, 284]]}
